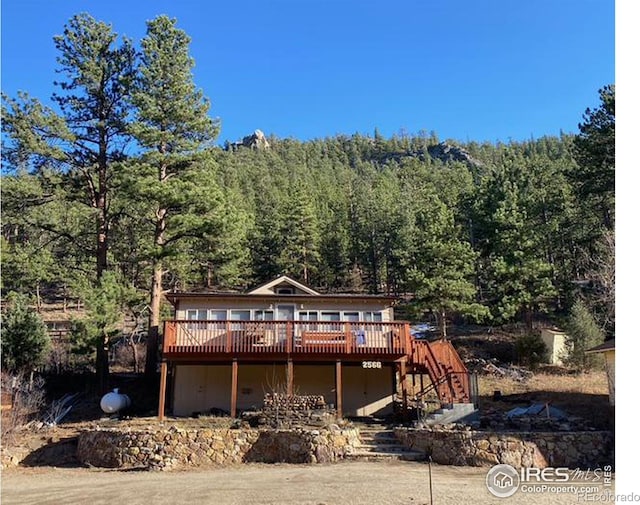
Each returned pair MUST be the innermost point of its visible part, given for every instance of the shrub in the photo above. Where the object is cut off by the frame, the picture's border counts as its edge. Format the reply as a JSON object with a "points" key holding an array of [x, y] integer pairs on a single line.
{"points": [[24, 337], [27, 400], [531, 350], [583, 333]]}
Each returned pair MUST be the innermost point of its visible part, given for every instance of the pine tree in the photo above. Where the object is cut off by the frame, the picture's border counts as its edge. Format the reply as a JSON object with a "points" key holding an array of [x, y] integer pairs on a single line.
{"points": [[594, 151], [299, 235], [86, 141], [173, 127], [516, 275], [443, 264], [583, 333], [23, 336]]}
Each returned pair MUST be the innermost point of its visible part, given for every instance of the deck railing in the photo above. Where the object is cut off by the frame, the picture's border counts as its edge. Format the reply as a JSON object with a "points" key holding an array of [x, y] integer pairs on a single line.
{"points": [[285, 337]]}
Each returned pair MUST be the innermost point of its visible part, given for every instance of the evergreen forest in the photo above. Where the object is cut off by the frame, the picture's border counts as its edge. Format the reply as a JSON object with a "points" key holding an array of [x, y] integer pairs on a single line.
{"points": [[118, 192]]}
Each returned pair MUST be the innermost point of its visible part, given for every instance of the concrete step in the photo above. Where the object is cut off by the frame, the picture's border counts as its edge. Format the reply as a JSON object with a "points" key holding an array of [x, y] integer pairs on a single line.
{"points": [[381, 435], [380, 443], [457, 412], [380, 456]]}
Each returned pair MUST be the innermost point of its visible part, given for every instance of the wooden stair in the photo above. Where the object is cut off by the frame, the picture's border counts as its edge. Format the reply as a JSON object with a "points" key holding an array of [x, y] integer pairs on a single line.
{"points": [[448, 374]]}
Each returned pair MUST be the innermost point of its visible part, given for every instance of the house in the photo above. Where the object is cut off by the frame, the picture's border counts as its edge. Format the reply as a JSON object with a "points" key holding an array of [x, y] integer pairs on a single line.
{"points": [[608, 348], [225, 351]]}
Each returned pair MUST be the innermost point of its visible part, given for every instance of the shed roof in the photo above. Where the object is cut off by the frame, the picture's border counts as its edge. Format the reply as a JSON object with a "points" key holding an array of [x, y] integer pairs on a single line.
{"points": [[609, 345]]}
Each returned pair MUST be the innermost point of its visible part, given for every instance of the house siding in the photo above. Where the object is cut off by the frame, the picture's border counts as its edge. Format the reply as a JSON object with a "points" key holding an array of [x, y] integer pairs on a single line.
{"points": [[199, 388], [610, 366], [330, 305]]}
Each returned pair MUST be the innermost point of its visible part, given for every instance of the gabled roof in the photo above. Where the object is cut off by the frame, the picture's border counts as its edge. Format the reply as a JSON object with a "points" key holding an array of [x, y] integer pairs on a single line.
{"points": [[269, 287], [268, 292], [609, 345]]}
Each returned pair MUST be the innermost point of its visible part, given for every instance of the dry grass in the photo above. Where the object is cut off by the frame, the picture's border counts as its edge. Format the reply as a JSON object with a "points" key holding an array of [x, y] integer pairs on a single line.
{"points": [[593, 383], [583, 395]]}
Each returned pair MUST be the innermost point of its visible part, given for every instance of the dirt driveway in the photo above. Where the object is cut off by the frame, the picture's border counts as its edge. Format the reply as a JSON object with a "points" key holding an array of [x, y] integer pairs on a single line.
{"points": [[343, 483]]}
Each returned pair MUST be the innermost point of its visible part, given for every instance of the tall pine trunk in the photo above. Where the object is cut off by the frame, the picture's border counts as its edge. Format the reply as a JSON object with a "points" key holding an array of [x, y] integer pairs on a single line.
{"points": [[153, 337], [442, 323], [102, 247]]}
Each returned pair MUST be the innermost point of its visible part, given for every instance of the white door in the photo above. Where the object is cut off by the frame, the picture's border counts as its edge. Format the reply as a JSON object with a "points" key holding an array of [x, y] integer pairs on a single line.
{"points": [[284, 313]]}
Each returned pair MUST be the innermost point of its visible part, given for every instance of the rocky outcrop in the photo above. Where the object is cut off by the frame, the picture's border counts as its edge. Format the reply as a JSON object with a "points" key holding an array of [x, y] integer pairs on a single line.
{"points": [[448, 153], [176, 447], [444, 152], [257, 140], [465, 447]]}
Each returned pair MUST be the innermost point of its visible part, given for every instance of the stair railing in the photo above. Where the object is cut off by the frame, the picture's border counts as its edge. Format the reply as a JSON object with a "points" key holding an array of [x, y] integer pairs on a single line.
{"points": [[446, 378]]}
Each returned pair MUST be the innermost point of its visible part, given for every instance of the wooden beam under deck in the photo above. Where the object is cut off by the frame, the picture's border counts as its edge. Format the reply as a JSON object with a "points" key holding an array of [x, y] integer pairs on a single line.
{"points": [[163, 390], [199, 358], [234, 388], [339, 389], [403, 385], [290, 377]]}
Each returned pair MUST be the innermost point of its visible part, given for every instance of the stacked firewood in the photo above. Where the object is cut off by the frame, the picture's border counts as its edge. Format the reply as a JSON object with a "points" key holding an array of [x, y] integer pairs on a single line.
{"points": [[292, 403]]}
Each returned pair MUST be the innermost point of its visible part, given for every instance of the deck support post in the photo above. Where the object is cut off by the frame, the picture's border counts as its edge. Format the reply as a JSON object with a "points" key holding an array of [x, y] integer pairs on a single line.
{"points": [[234, 388], [290, 377], [339, 388], [403, 386], [163, 390]]}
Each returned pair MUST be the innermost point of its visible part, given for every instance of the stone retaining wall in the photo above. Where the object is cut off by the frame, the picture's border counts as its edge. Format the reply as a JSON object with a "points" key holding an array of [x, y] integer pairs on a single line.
{"points": [[465, 447], [176, 447]]}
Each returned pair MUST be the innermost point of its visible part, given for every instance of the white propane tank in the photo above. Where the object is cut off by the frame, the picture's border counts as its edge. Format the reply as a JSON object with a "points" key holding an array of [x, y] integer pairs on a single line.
{"points": [[114, 402]]}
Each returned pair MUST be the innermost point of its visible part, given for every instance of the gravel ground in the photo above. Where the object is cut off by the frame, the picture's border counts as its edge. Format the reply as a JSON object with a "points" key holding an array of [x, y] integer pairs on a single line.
{"points": [[344, 483]]}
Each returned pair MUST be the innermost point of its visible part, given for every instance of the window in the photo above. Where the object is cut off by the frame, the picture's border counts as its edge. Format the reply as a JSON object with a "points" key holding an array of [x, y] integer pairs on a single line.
{"points": [[197, 314], [263, 315], [284, 291], [308, 315], [352, 316], [330, 316], [240, 315], [217, 315], [375, 317]]}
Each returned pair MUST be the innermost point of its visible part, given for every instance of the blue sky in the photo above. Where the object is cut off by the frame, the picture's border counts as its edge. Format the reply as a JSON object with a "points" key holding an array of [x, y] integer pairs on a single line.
{"points": [[468, 70]]}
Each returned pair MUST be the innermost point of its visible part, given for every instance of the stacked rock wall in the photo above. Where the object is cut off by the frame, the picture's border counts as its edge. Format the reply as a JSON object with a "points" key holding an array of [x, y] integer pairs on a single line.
{"points": [[176, 447], [465, 447]]}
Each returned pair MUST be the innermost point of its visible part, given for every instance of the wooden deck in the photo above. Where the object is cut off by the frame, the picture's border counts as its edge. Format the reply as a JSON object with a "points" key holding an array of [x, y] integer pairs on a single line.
{"points": [[296, 339], [208, 342]]}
